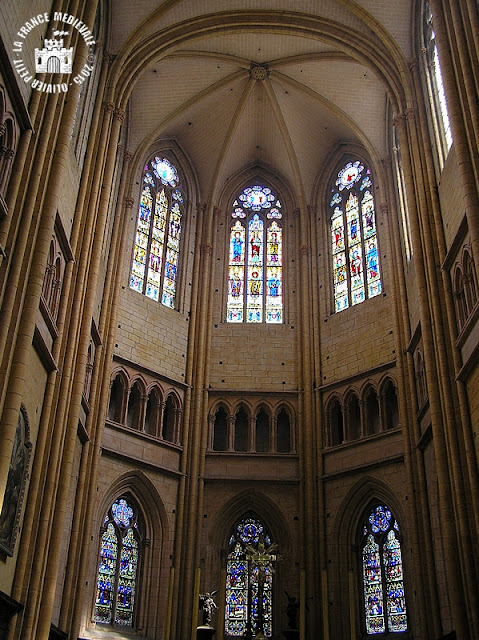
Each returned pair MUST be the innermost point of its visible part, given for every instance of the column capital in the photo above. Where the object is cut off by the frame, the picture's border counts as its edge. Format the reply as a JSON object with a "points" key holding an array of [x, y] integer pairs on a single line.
{"points": [[108, 107], [119, 114]]}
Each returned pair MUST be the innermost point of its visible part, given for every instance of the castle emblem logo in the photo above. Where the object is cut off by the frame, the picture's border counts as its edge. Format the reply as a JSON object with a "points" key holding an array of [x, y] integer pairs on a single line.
{"points": [[54, 58]]}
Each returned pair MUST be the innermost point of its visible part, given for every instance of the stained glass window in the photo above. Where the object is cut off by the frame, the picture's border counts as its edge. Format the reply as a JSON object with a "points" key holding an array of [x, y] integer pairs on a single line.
{"points": [[354, 244], [435, 86], [117, 567], [242, 581], [383, 581], [255, 268], [154, 270]]}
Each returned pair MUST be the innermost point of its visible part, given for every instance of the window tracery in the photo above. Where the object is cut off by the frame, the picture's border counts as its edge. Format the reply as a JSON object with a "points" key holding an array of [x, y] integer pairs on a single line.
{"points": [[382, 573], [464, 288], [351, 416], [257, 430], [354, 244], [242, 579], [154, 270], [255, 271], [116, 584]]}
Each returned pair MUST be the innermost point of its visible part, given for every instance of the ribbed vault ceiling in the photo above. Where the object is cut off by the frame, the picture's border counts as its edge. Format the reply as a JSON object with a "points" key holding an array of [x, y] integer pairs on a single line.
{"points": [[243, 97]]}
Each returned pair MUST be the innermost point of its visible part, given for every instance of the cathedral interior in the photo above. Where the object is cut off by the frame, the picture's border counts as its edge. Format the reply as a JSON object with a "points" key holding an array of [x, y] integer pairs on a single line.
{"points": [[239, 319]]}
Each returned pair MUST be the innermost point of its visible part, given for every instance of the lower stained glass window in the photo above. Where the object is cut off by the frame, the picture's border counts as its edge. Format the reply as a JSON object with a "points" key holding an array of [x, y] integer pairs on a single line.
{"points": [[383, 580], [117, 567], [242, 581]]}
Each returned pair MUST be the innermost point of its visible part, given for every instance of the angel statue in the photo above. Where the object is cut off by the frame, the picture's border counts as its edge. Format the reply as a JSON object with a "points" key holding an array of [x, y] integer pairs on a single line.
{"points": [[207, 604]]}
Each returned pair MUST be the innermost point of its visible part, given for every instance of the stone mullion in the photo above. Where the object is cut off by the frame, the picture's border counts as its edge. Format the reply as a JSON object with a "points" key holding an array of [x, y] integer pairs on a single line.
{"points": [[364, 430], [439, 441], [251, 434], [273, 433], [178, 416], [231, 433]]}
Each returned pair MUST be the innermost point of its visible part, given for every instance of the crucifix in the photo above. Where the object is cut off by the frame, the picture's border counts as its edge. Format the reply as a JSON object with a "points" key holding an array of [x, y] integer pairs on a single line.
{"points": [[260, 557]]}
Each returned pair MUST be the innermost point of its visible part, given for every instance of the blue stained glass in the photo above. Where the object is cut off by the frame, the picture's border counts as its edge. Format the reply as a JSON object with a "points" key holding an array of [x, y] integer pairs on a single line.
{"points": [[242, 580], [354, 244], [122, 512], [158, 233], [384, 598], [255, 277], [117, 567], [380, 519]]}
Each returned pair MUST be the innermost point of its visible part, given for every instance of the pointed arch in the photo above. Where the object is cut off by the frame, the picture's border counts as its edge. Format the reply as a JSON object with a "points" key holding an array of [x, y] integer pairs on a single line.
{"points": [[348, 528], [371, 404], [153, 410], [352, 410], [118, 396], [254, 504], [135, 407], [390, 405], [156, 251], [151, 532], [284, 429], [335, 421], [356, 272], [255, 256], [262, 429], [241, 436], [221, 428]]}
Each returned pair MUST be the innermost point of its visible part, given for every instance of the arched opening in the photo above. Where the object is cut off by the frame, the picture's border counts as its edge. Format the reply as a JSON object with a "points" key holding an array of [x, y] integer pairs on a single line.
{"points": [[168, 426], [391, 406], [372, 412], [262, 431], [337, 424], [119, 558], [247, 578], [354, 418], [152, 413], [283, 432], [384, 603], [134, 407], [117, 394], [241, 430], [220, 430]]}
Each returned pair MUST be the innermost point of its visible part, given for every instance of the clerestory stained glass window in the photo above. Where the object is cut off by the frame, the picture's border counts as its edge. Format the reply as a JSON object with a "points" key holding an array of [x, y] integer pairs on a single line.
{"points": [[255, 269], [154, 270], [117, 567], [383, 580], [356, 274], [242, 588], [435, 87]]}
